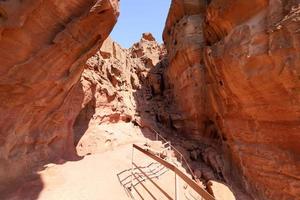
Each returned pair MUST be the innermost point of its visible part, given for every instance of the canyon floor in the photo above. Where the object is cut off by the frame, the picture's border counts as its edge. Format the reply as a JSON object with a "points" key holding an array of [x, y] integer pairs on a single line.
{"points": [[94, 177], [107, 175]]}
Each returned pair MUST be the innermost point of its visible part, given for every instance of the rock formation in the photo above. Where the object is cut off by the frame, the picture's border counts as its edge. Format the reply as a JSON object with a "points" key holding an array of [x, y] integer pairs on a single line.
{"points": [[226, 91], [43, 47], [234, 76], [185, 77], [113, 87]]}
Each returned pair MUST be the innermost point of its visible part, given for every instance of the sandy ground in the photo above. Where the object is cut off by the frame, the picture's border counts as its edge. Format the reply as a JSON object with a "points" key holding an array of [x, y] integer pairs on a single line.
{"points": [[105, 176], [92, 178], [99, 177]]}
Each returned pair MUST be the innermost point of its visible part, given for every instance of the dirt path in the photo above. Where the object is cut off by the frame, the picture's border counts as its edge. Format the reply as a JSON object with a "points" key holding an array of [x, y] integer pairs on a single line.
{"points": [[103, 176], [92, 178], [97, 177]]}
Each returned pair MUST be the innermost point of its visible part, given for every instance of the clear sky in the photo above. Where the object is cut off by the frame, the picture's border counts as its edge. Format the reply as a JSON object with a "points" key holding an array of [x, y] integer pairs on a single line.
{"points": [[139, 16]]}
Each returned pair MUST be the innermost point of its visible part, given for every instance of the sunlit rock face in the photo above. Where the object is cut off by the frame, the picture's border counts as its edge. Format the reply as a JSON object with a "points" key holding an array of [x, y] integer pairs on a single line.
{"points": [[234, 75], [113, 83], [43, 47]]}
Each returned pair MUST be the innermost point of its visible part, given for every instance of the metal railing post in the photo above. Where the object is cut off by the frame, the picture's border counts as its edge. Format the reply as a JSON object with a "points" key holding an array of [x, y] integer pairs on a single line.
{"points": [[158, 136], [131, 184], [176, 188], [181, 159], [178, 173]]}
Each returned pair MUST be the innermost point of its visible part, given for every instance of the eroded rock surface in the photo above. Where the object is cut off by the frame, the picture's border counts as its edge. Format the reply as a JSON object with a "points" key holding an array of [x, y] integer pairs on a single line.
{"points": [[183, 36], [230, 82], [234, 76], [43, 47], [256, 103], [113, 84]]}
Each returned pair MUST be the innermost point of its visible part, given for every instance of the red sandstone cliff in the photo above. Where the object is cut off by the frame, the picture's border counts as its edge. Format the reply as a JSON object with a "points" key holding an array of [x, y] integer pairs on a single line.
{"points": [[234, 77], [230, 81], [43, 47]]}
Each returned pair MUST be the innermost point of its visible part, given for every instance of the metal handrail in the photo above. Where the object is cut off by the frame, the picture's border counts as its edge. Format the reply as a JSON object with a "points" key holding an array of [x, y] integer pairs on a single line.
{"points": [[192, 183], [182, 158]]}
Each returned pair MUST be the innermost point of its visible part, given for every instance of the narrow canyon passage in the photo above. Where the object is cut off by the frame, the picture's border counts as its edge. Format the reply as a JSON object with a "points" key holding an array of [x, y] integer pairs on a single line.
{"points": [[222, 89]]}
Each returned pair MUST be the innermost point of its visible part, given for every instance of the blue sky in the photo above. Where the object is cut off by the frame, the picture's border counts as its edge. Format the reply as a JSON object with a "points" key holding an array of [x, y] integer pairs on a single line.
{"points": [[139, 16]]}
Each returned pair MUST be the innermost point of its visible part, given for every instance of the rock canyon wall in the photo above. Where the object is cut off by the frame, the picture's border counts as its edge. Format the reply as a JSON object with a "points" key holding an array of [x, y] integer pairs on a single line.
{"points": [[43, 47], [66, 90], [229, 82], [234, 76]]}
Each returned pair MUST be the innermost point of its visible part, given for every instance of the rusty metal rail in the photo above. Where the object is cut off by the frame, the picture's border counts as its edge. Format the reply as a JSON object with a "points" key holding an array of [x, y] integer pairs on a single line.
{"points": [[155, 184], [182, 158], [203, 193], [158, 137]]}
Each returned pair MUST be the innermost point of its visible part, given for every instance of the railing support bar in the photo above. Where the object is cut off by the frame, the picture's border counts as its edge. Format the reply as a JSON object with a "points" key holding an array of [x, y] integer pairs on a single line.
{"points": [[176, 187], [202, 192], [132, 168]]}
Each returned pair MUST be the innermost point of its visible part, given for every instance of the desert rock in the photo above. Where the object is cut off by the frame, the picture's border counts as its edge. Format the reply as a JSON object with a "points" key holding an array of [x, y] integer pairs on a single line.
{"points": [[223, 88], [233, 74], [43, 47], [112, 86]]}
